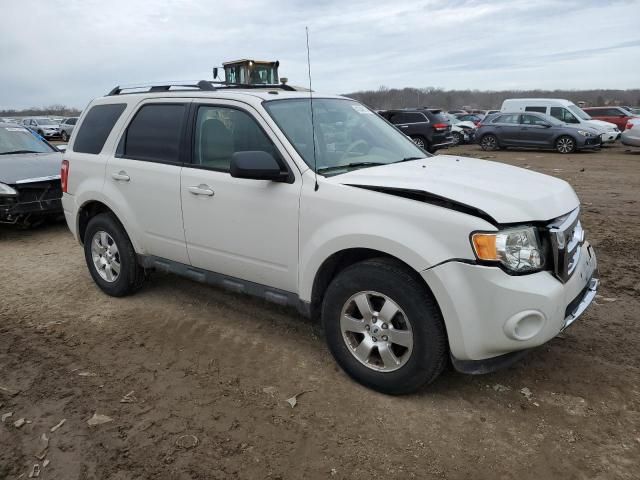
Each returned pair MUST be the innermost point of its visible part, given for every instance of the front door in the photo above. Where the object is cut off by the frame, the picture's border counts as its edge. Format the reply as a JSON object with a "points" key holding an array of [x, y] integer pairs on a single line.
{"points": [[535, 131], [242, 228]]}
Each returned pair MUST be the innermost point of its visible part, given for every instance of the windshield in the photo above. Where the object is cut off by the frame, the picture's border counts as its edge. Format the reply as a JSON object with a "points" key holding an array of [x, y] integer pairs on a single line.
{"points": [[21, 140], [348, 135], [578, 112]]}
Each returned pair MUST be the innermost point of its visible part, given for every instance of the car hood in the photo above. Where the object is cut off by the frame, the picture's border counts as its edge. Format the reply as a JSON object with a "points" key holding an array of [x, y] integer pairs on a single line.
{"points": [[505, 193], [25, 166], [601, 125], [466, 124]]}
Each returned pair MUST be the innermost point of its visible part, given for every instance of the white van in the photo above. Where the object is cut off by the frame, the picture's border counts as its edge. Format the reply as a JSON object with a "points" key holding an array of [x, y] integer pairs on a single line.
{"points": [[563, 110]]}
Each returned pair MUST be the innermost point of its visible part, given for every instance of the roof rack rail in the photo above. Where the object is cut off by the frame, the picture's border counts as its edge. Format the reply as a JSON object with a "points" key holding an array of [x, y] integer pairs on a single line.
{"points": [[203, 85], [164, 87]]}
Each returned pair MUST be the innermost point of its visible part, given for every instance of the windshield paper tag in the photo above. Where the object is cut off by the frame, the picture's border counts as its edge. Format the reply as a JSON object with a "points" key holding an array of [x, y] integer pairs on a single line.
{"points": [[362, 110], [15, 129]]}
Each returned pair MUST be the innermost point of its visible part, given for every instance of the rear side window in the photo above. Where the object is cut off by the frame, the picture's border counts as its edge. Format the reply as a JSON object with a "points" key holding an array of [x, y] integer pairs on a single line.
{"points": [[510, 118], [536, 109], [155, 132], [96, 127]]}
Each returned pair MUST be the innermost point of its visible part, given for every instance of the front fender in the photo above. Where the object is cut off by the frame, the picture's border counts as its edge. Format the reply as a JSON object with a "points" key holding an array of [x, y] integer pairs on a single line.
{"points": [[338, 217]]}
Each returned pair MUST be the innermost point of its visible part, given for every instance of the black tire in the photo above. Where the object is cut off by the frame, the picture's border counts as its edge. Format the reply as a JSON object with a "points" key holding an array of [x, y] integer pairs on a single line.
{"points": [[428, 356], [41, 133], [131, 274], [489, 142], [64, 136], [457, 138], [565, 144]]}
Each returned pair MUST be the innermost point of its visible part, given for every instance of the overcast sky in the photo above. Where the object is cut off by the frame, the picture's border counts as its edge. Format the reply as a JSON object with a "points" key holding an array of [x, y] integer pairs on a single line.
{"points": [[69, 51]]}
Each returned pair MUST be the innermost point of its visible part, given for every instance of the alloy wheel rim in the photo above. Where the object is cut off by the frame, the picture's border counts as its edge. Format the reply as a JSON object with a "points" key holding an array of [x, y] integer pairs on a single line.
{"points": [[565, 145], [376, 331], [418, 142], [489, 142], [105, 256]]}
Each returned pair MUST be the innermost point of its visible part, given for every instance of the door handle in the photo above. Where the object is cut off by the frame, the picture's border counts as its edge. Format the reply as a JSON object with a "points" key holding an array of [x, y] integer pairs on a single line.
{"points": [[201, 189], [120, 176]]}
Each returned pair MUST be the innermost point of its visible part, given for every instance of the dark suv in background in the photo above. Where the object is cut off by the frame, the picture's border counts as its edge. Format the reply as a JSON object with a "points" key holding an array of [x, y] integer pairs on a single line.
{"points": [[429, 128]]}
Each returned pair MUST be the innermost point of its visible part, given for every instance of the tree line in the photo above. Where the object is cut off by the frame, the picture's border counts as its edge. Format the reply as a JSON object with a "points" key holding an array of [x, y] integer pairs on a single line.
{"points": [[386, 98], [51, 110]]}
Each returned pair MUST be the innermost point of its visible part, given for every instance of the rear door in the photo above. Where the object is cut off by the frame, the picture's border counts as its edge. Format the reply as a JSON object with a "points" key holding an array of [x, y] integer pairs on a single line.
{"points": [[143, 177], [535, 131], [412, 124], [243, 228], [507, 128]]}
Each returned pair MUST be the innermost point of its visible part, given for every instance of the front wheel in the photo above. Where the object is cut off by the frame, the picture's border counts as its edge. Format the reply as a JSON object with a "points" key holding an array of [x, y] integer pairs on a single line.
{"points": [[489, 142], [384, 327], [565, 144], [110, 256], [65, 136], [457, 138]]}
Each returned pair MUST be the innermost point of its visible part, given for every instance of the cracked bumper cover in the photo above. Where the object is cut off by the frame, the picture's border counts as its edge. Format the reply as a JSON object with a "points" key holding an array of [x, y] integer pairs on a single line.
{"points": [[482, 307]]}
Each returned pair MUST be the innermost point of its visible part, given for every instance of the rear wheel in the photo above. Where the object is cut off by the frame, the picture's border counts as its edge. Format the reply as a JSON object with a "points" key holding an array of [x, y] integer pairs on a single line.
{"points": [[489, 142], [419, 141], [110, 256], [383, 327], [565, 144]]}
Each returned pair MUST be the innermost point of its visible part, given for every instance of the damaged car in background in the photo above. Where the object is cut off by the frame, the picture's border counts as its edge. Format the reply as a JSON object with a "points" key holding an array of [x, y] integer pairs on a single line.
{"points": [[30, 189]]}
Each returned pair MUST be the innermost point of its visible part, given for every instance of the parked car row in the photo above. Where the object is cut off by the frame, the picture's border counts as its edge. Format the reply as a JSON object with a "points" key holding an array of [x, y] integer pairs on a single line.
{"points": [[30, 189]]}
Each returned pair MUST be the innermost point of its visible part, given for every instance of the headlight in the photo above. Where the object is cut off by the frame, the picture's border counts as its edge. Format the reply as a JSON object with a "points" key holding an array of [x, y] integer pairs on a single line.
{"points": [[517, 249], [7, 191], [584, 133]]}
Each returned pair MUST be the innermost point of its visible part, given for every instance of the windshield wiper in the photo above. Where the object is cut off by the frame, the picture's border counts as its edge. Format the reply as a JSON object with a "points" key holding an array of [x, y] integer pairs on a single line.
{"points": [[408, 159], [18, 151], [350, 165]]}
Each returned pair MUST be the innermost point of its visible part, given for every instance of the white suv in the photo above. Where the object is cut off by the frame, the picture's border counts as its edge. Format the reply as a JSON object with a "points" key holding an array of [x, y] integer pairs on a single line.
{"points": [[408, 259]]}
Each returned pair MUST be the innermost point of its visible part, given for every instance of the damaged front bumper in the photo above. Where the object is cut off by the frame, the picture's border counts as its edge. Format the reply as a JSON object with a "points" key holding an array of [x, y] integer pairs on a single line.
{"points": [[36, 199]]}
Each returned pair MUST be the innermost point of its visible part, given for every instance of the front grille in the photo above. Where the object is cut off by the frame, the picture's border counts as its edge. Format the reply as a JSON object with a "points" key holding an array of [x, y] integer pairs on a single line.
{"points": [[39, 191], [567, 236]]}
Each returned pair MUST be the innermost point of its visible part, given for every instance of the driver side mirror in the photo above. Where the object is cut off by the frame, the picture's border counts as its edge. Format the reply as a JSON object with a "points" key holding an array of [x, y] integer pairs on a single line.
{"points": [[62, 148], [257, 165]]}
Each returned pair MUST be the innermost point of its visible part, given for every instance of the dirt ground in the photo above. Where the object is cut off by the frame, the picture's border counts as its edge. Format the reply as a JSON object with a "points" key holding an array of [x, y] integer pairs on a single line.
{"points": [[201, 362]]}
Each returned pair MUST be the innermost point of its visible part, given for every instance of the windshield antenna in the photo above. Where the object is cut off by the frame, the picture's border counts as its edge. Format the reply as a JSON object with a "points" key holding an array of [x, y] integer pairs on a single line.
{"points": [[313, 127]]}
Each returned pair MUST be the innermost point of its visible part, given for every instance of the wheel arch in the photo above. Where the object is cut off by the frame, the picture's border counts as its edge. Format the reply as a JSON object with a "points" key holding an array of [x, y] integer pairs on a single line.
{"points": [[340, 260], [90, 209]]}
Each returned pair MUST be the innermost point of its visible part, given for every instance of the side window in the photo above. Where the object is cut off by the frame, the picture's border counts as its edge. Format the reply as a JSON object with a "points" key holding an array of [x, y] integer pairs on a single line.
{"points": [[532, 120], [96, 127], [510, 118], [416, 118], [399, 119], [563, 115], [221, 132], [155, 132], [536, 109], [72, 121]]}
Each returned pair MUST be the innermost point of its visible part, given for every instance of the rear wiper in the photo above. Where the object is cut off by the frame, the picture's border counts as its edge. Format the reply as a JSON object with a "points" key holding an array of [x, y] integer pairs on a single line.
{"points": [[18, 151], [350, 165]]}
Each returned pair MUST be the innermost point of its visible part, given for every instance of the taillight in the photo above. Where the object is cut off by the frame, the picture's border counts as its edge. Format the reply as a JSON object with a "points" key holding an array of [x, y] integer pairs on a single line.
{"points": [[64, 175], [440, 126], [629, 126]]}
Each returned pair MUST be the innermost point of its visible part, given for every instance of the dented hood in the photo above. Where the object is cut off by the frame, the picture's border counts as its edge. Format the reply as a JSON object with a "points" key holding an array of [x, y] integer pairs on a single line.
{"points": [[505, 193]]}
